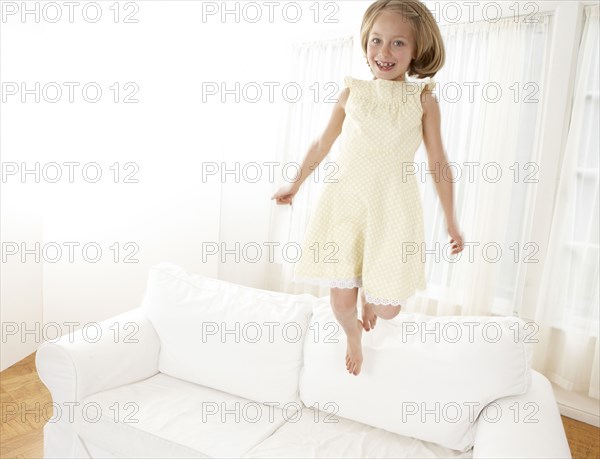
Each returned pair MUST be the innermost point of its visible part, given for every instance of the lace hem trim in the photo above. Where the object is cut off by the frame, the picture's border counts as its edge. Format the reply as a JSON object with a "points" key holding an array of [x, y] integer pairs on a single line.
{"points": [[383, 301], [353, 282]]}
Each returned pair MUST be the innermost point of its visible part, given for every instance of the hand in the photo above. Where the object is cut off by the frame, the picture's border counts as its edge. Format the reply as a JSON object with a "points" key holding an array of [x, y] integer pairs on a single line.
{"points": [[285, 194], [456, 238]]}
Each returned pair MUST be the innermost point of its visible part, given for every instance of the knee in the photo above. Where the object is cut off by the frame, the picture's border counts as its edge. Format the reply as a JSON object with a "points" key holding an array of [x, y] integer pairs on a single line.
{"points": [[388, 312]]}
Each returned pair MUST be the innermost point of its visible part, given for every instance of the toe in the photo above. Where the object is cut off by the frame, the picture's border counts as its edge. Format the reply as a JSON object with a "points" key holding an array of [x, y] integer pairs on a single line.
{"points": [[368, 323]]}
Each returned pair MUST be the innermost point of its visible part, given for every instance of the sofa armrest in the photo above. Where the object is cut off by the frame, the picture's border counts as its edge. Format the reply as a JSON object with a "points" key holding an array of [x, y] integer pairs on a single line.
{"points": [[525, 426], [124, 350]]}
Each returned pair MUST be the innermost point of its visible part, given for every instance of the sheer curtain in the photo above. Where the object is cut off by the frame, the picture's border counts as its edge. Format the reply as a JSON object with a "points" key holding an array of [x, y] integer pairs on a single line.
{"points": [[318, 67], [567, 310], [485, 132]]}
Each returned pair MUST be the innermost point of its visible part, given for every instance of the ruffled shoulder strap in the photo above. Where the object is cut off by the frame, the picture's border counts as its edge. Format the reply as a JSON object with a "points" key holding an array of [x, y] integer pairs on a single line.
{"points": [[348, 81], [354, 83], [428, 84], [358, 87]]}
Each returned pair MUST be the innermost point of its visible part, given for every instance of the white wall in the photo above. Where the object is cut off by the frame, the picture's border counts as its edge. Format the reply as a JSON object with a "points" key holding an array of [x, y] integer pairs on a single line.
{"points": [[165, 216], [21, 296]]}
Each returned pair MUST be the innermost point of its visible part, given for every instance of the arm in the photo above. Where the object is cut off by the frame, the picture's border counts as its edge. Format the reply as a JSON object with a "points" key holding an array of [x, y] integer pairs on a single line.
{"points": [[125, 350], [523, 426], [321, 147], [437, 162], [317, 150]]}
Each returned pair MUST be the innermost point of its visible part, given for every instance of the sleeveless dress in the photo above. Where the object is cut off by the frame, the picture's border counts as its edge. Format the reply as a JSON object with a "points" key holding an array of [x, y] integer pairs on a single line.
{"points": [[367, 227]]}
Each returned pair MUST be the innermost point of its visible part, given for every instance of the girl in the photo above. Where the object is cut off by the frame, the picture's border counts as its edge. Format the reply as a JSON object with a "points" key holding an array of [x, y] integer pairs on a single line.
{"points": [[367, 228]]}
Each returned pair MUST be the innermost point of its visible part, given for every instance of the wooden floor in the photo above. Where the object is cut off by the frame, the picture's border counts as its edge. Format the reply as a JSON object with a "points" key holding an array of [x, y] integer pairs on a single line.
{"points": [[20, 388]]}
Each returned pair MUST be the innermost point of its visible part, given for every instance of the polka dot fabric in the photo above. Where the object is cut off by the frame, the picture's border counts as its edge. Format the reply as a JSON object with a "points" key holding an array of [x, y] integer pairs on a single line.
{"points": [[367, 227]]}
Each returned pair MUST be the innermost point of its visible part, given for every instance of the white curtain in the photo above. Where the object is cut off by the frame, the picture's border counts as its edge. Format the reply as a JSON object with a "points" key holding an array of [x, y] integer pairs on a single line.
{"points": [[485, 132], [319, 68], [567, 310]]}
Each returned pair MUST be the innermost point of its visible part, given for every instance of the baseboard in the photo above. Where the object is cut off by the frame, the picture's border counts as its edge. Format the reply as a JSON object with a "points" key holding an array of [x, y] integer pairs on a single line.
{"points": [[578, 406]]}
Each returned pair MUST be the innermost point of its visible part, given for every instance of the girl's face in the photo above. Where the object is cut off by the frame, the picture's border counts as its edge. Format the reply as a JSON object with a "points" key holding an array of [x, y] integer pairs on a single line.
{"points": [[390, 46]]}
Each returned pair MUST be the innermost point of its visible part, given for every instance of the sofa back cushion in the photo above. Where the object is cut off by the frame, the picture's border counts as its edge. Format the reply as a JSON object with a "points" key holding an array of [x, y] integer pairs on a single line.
{"points": [[422, 376], [240, 340]]}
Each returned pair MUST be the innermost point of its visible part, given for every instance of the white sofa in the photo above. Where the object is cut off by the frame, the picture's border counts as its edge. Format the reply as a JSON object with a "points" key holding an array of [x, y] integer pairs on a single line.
{"points": [[207, 368]]}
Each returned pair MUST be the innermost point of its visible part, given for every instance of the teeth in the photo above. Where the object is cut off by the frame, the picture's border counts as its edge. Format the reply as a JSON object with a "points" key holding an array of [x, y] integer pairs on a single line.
{"points": [[384, 64]]}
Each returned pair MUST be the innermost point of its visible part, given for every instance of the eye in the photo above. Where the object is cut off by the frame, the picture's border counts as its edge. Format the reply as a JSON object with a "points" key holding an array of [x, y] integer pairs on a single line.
{"points": [[398, 42], [374, 40]]}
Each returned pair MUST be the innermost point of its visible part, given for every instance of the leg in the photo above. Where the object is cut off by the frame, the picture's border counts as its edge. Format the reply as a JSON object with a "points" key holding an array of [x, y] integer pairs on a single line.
{"points": [[378, 310], [386, 312], [343, 303]]}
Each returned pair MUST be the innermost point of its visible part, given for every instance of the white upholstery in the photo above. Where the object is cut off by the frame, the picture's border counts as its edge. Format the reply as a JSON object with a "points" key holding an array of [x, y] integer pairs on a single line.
{"points": [[164, 417], [524, 417], [316, 435], [167, 378], [423, 376], [203, 322], [74, 367]]}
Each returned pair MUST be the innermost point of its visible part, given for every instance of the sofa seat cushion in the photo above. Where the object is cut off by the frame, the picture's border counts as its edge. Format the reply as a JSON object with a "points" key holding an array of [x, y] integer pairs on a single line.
{"points": [[426, 377], [240, 340], [320, 434], [163, 417]]}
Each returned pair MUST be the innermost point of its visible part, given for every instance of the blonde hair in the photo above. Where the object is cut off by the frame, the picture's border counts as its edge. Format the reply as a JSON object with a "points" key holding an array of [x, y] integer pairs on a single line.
{"points": [[430, 52]]}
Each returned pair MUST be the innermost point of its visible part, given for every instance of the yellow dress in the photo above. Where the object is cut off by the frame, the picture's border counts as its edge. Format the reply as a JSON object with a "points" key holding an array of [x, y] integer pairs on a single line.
{"points": [[367, 227]]}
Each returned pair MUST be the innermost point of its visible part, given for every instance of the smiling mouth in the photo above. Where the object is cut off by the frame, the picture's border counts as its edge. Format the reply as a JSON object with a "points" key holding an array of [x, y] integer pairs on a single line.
{"points": [[385, 65]]}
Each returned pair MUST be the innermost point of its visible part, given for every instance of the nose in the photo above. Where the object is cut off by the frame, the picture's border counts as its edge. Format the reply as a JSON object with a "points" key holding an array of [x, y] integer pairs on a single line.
{"points": [[385, 51]]}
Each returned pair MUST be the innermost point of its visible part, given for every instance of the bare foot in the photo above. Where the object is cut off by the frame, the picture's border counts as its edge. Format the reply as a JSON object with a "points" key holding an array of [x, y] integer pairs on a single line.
{"points": [[354, 356], [368, 317]]}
